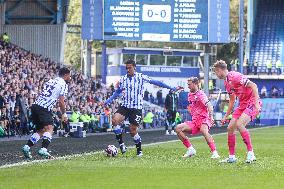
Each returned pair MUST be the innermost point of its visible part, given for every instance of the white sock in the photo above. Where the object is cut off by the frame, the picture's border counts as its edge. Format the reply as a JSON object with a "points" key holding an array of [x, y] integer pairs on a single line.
{"points": [[35, 138], [191, 148], [232, 156]]}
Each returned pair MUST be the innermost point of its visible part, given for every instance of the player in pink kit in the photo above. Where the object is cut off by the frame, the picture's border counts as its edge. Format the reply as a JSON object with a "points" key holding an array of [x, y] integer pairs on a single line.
{"points": [[238, 86], [201, 111]]}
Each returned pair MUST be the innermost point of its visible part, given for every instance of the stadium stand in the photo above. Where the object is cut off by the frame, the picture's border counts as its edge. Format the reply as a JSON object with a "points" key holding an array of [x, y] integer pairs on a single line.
{"points": [[267, 43], [22, 75], [270, 111]]}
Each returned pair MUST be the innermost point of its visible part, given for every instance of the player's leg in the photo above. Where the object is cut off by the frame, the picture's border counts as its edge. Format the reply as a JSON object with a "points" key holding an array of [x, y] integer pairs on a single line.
{"points": [[231, 129], [45, 129], [210, 141], [241, 123], [181, 129], [136, 138], [46, 140], [135, 117], [31, 142], [117, 118], [35, 136]]}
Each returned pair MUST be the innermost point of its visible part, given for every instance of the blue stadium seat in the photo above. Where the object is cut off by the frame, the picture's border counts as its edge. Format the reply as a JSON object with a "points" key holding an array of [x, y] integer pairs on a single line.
{"points": [[266, 42]]}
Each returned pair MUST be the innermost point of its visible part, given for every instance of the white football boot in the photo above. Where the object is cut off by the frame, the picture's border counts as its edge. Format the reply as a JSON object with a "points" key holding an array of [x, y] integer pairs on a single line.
{"points": [[190, 152], [215, 155], [250, 157]]}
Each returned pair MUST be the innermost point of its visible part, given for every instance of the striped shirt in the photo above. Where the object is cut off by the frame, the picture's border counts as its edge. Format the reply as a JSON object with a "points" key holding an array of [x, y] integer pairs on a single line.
{"points": [[50, 93], [133, 90]]}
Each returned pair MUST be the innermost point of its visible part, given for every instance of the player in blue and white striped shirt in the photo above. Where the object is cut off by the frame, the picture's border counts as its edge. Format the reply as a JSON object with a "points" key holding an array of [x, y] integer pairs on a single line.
{"points": [[53, 90], [132, 87]]}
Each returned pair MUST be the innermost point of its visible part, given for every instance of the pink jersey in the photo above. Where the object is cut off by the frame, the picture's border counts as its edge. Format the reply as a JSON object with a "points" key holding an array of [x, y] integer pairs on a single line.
{"points": [[198, 105], [236, 83]]}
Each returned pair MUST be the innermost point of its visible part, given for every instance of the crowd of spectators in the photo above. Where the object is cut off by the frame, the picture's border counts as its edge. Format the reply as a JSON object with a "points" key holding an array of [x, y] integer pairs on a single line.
{"points": [[252, 68], [273, 92], [22, 75]]}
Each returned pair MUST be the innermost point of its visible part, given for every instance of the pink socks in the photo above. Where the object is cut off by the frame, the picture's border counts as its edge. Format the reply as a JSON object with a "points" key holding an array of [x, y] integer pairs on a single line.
{"points": [[246, 138], [186, 143], [212, 146], [232, 143]]}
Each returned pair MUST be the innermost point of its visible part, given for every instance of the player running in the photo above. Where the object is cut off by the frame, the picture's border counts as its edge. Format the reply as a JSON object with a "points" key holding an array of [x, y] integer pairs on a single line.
{"points": [[201, 111], [238, 86], [41, 111], [132, 87]]}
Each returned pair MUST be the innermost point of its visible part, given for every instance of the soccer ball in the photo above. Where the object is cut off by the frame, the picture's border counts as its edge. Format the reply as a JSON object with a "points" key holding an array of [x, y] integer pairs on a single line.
{"points": [[111, 151]]}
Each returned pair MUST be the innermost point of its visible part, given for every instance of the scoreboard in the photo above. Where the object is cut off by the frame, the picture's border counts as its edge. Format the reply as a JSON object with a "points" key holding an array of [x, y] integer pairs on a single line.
{"points": [[203, 21]]}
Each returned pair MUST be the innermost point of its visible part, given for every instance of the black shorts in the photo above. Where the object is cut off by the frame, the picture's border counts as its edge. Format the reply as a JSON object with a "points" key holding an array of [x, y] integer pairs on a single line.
{"points": [[41, 117], [171, 116], [134, 115]]}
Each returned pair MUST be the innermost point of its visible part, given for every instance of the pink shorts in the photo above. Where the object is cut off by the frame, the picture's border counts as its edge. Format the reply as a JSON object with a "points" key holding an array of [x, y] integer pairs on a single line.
{"points": [[196, 124], [248, 109]]}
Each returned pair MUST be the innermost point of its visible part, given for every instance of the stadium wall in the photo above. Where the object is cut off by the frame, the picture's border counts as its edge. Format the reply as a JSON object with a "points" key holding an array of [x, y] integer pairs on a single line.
{"points": [[2, 14], [47, 40]]}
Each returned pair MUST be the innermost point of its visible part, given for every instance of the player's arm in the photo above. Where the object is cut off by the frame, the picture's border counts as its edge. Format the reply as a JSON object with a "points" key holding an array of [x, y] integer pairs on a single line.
{"points": [[210, 109], [61, 99], [62, 105], [117, 92], [161, 84], [232, 99], [156, 82], [254, 88]]}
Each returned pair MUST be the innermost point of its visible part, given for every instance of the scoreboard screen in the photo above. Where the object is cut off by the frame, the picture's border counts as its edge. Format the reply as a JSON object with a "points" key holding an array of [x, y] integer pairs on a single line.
{"points": [[203, 21]]}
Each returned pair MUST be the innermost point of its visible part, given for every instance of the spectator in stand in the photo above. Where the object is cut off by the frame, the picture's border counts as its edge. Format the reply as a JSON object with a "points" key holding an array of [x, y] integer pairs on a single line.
{"points": [[160, 97], [6, 38], [269, 66], [16, 122], [246, 67], [22, 75], [280, 90], [274, 92], [278, 66], [12, 102], [2, 100], [146, 95], [4, 120], [263, 92], [171, 105]]}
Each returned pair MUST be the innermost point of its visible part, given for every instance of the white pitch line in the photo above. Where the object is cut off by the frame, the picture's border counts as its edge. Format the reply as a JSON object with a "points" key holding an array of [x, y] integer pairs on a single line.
{"points": [[28, 163]]}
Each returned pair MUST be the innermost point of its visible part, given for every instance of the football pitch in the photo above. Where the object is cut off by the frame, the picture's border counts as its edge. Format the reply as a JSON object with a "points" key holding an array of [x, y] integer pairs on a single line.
{"points": [[161, 167]]}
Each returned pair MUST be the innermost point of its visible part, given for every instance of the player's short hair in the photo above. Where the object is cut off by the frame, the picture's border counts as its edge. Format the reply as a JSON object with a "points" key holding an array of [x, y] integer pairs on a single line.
{"points": [[220, 64], [130, 61], [194, 80], [63, 71]]}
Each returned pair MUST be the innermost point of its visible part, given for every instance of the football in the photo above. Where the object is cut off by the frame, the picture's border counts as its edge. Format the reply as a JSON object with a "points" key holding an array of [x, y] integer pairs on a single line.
{"points": [[111, 151]]}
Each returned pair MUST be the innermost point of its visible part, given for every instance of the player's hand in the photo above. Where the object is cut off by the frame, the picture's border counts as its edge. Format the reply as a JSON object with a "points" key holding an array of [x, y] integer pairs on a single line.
{"points": [[258, 108], [178, 88], [224, 120], [188, 108], [212, 121]]}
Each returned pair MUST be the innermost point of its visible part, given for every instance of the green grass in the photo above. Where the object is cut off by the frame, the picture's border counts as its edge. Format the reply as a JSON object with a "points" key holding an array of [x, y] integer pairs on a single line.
{"points": [[161, 167]]}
